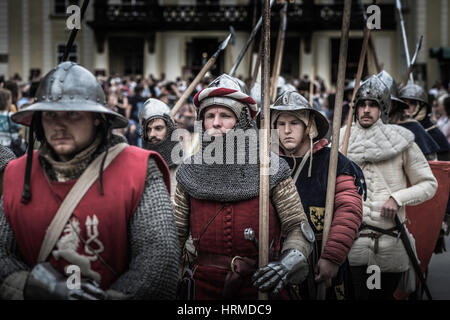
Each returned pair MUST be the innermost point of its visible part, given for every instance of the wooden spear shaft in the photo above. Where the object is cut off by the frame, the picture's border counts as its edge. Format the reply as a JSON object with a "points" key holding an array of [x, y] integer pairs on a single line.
{"points": [[374, 53], [331, 184], [250, 49], [192, 86], [278, 53], [264, 188], [362, 59], [311, 86], [257, 63]]}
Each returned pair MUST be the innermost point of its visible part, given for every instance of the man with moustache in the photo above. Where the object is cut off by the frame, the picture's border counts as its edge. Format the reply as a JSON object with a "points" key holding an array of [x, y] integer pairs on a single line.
{"points": [[157, 127], [389, 158], [218, 201], [301, 130], [89, 202]]}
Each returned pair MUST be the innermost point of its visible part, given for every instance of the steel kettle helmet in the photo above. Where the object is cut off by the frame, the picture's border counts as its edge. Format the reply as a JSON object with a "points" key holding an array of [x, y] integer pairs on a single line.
{"points": [[70, 87]]}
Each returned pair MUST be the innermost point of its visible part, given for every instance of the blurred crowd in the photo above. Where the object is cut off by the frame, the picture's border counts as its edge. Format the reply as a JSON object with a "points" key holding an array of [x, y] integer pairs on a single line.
{"points": [[127, 94]]}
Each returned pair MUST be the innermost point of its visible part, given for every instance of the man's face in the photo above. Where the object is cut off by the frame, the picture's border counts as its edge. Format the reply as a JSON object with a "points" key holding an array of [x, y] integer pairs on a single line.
{"points": [[69, 132], [291, 131], [156, 130], [412, 106], [368, 113], [219, 120]]}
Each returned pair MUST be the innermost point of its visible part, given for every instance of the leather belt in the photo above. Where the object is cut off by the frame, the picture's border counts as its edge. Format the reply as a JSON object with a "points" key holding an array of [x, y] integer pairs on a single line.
{"points": [[220, 261]]}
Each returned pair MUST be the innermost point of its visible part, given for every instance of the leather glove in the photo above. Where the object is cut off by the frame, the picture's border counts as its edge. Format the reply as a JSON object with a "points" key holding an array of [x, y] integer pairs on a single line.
{"points": [[292, 268], [46, 283]]}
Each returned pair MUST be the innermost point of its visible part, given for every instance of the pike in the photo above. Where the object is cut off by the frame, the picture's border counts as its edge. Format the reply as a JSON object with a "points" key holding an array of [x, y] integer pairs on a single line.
{"points": [[257, 64], [331, 184], [74, 32], [264, 196], [278, 53], [362, 59], [398, 5], [251, 47], [412, 256], [200, 75], [245, 48], [413, 62]]}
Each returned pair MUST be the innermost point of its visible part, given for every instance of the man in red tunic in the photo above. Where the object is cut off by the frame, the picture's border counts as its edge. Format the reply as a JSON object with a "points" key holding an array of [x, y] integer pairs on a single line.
{"points": [[217, 200], [118, 241], [301, 131]]}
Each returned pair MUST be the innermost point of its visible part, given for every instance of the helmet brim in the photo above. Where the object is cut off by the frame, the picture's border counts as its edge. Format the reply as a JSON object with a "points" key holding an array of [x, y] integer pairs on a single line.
{"points": [[25, 116], [322, 123]]}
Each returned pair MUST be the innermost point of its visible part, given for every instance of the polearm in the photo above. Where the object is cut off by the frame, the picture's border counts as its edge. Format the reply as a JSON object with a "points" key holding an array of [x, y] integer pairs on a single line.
{"points": [[200, 75], [264, 194], [257, 63], [413, 62], [74, 32], [279, 53], [331, 184], [398, 5], [245, 48], [252, 44], [362, 59], [375, 56], [411, 254], [311, 86]]}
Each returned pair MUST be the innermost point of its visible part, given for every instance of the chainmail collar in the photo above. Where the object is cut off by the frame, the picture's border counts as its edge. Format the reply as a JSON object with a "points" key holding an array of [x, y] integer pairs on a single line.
{"points": [[164, 147], [62, 171], [378, 143], [228, 181]]}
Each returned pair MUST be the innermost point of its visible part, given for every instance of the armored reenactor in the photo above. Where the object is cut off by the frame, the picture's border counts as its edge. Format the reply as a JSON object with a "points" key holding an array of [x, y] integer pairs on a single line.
{"points": [[218, 202], [301, 131], [389, 158], [397, 115], [157, 127], [89, 202], [420, 109]]}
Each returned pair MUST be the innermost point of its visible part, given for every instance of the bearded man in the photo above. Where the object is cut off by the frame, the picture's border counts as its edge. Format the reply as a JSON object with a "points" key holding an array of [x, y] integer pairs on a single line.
{"points": [[389, 158], [90, 207], [218, 202]]}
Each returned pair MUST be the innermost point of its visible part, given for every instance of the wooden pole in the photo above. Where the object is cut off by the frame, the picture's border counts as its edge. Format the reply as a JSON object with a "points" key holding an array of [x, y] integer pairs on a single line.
{"points": [[257, 68], [375, 56], [250, 49], [264, 196], [331, 184], [311, 86], [278, 53], [362, 59]]}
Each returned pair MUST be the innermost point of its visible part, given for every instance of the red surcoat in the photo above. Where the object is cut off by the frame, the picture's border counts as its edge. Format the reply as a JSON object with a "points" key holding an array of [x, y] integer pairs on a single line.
{"points": [[225, 236], [100, 221]]}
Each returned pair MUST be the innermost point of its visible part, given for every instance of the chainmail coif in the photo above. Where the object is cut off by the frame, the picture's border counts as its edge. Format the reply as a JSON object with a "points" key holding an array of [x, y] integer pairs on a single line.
{"points": [[228, 182], [164, 147]]}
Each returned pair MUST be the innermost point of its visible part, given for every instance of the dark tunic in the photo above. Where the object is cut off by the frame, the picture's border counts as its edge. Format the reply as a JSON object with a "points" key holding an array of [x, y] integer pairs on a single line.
{"points": [[313, 196]]}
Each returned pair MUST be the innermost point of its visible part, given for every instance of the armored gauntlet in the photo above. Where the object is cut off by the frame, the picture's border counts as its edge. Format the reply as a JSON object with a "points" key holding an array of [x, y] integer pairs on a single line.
{"points": [[291, 269], [46, 283]]}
